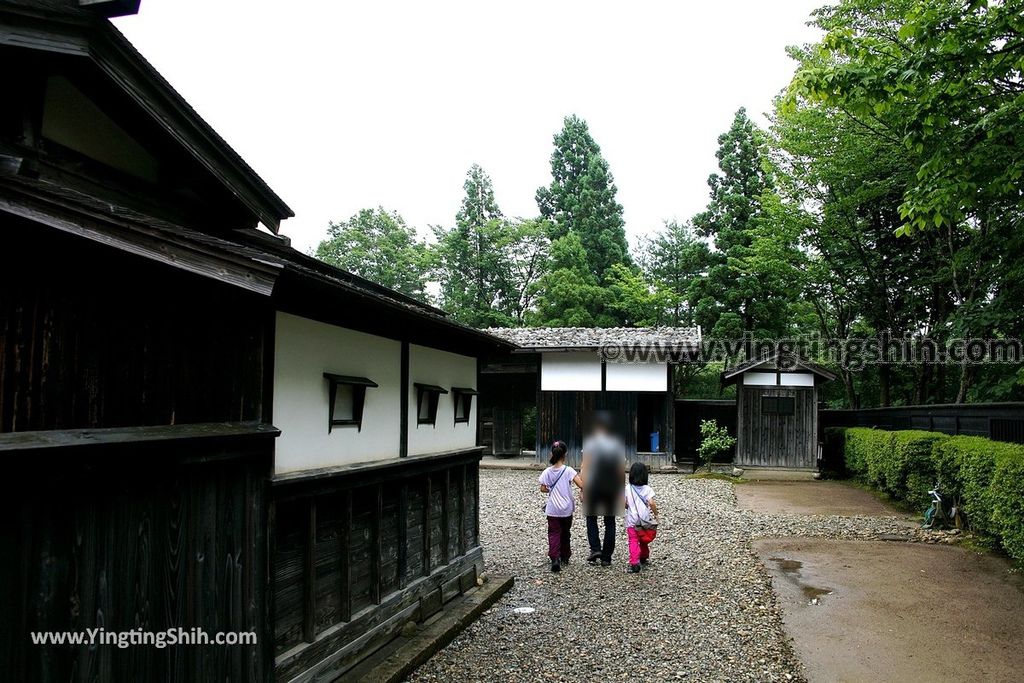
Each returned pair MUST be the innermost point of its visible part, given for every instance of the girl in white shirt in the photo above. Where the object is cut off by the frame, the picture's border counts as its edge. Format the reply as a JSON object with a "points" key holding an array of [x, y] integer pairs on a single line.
{"points": [[556, 481], [641, 516]]}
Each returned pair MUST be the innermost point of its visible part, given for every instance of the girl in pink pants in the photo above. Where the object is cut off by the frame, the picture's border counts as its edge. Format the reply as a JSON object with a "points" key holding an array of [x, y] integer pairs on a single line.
{"points": [[641, 516]]}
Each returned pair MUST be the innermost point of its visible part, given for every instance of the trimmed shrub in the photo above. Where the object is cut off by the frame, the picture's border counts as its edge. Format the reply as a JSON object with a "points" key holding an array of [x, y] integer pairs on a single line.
{"points": [[1007, 496], [986, 477], [908, 470], [863, 445]]}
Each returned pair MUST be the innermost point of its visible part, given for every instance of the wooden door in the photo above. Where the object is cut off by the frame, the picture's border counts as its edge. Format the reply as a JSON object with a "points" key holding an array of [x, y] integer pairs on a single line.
{"points": [[507, 432]]}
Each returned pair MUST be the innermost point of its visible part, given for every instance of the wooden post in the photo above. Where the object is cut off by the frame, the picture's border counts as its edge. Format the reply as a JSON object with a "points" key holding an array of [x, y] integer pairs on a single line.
{"points": [[462, 510], [403, 402], [426, 524], [403, 533], [445, 513], [346, 562], [309, 603], [375, 547]]}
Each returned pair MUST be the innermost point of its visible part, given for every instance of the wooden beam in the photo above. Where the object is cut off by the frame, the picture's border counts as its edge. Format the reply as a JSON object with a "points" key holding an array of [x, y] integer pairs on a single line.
{"points": [[462, 510], [403, 403]]}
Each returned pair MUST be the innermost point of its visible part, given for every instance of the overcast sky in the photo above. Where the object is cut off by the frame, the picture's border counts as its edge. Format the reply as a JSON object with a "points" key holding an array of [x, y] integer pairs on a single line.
{"points": [[345, 105]]}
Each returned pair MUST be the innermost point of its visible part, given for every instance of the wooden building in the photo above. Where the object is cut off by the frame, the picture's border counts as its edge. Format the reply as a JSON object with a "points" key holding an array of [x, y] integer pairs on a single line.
{"points": [[777, 412], [570, 372], [202, 428]]}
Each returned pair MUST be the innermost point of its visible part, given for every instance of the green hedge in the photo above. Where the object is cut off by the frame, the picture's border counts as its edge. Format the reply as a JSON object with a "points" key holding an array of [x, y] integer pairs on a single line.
{"points": [[987, 476]]}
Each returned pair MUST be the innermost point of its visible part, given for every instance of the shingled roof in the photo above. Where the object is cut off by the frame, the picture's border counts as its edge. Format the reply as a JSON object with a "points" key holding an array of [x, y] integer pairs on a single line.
{"points": [[581, 338]]}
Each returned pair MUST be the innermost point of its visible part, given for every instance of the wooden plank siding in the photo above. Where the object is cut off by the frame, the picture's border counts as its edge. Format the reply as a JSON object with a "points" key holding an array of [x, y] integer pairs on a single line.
{"points": [[90, 337], [768, 440], [150, 536], [413, 544]]}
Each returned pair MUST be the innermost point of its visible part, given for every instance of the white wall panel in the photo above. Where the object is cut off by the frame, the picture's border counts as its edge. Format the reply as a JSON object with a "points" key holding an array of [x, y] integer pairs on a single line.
{"points": [[797, 379], [636, 376], [303, 351], [760, 379], [573, 371], [447, 370]]}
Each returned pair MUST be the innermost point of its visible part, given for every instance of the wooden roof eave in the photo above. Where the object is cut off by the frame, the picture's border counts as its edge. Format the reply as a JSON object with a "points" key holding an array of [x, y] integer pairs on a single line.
{"points": [[250, 274], [99, 41]]}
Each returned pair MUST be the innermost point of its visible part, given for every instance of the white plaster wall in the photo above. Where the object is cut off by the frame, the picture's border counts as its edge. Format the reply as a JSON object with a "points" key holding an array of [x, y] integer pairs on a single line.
{"points": [[636, 376], [303, 351], [797, 379], [447, 370], [572, 371], [759, 379]]}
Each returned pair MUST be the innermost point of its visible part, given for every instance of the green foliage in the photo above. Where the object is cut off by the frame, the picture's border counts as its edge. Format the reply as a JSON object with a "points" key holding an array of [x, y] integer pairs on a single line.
{"points": [[714, 440], [379, 246], [674, 259], [985, 476], [942, 78], [570, 295], [637, 301], [470, 260], [745, 289], [582, 198]]}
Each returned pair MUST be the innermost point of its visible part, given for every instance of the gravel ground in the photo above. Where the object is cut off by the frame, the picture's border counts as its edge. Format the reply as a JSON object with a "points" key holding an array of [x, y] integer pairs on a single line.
{"points": [[704, 610]]}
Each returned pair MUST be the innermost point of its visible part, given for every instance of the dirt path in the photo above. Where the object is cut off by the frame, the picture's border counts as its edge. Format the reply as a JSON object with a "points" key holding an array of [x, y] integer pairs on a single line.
{"points": [[898, 611]]}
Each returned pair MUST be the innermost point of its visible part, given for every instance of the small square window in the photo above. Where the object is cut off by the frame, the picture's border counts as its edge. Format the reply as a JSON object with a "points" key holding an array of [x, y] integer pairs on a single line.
{"points": [[778, 405], [346, 398], [463, 403], [427, 396]]}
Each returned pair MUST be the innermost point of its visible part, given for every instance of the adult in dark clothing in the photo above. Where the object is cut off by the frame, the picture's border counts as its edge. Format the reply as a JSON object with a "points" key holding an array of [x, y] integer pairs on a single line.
{"points": [[603, 475]]}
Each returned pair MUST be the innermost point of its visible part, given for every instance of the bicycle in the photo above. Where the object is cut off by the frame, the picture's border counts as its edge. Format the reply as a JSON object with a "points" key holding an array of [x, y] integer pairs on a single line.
{"points": [[936, 517]]}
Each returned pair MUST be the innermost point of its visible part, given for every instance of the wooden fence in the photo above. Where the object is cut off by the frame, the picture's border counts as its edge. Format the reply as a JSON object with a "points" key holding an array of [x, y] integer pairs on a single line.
{"points": [[997, 421]]}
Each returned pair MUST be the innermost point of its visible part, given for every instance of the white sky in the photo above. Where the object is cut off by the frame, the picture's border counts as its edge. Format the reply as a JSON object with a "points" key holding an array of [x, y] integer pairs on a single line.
{"points": [[345, 105]]}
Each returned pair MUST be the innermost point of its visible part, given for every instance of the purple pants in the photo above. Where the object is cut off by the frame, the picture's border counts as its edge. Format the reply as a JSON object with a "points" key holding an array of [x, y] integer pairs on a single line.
{"points": [[558, 537]]}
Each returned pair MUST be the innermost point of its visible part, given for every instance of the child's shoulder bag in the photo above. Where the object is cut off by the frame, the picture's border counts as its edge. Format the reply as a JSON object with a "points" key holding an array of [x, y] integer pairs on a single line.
{"points": [[544, 505], [648, 520]]}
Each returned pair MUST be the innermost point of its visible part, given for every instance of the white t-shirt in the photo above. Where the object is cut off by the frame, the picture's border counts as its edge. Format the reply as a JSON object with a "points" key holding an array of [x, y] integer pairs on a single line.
{"points": [[559, 481], [637, 507]]}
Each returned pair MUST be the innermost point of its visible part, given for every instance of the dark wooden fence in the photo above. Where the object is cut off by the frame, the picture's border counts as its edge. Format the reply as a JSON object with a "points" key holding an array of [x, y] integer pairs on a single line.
{"points": [[998, 421], [360, 553]]}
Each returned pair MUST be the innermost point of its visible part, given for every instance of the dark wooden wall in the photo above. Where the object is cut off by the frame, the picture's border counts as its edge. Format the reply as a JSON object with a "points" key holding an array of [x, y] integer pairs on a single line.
{"points": [[565, 415], [91, 337], [358, 555], [998, 421], [503, 399], [777, 440], [136, 536]]}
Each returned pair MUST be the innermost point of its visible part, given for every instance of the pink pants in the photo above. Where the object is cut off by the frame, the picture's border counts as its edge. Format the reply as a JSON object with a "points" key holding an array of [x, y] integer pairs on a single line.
{"points": [[639, 540]]}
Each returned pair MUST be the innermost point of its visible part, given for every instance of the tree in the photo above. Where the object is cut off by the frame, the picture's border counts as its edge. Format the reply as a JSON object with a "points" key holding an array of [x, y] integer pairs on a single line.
{"points": [[570, 295], [637, 301], [950, 72], [582, 198], [735, 297], [379, 246], [470, 260], [674, 258], [526, 254]]}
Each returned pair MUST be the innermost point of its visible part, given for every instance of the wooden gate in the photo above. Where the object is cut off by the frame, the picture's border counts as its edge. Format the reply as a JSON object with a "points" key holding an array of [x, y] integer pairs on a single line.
{"points": [[508, 429]]}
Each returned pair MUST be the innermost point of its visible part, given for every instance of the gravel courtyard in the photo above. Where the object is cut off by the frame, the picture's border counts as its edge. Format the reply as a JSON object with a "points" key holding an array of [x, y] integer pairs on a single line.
{"points": [[704, 610]]}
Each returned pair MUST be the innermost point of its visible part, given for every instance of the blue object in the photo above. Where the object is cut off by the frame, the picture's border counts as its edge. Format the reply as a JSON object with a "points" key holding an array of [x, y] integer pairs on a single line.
{"points": [[655, 442]]}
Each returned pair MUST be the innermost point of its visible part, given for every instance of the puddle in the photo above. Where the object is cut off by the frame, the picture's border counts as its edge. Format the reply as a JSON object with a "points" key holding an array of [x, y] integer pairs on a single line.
{"points": [[791, 571]]}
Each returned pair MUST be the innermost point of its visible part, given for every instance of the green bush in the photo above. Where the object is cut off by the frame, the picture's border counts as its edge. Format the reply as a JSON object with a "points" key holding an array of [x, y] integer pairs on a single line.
{"points": [[986, 477]]}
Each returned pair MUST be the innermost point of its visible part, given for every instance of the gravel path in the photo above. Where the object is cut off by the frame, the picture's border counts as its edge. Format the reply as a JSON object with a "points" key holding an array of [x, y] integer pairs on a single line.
{"points": [[704, 610]]}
